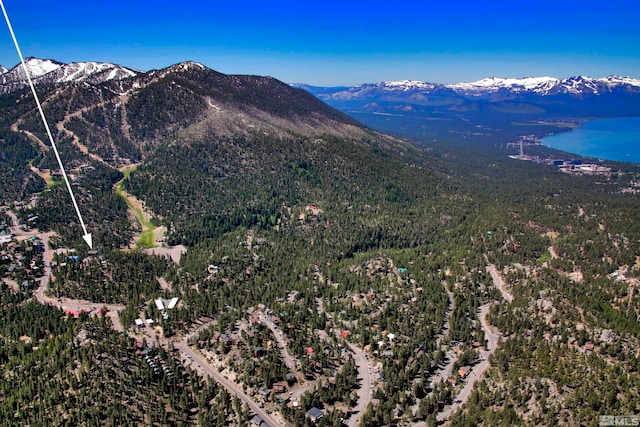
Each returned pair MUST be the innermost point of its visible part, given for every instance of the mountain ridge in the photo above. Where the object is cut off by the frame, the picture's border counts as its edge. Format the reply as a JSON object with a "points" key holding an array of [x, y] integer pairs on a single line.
{"points": [[119, 115], [56, 72]]}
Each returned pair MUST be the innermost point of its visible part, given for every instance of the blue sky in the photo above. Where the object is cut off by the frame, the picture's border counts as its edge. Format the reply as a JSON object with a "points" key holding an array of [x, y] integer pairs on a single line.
{"points": [[338, 42]]}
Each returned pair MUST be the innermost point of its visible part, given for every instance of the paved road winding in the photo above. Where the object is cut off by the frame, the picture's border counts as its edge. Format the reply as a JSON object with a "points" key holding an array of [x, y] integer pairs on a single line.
{"points": [[492, 337], [200, 361], [63, 303], [289, 360], [479, 369], [365, 391]]}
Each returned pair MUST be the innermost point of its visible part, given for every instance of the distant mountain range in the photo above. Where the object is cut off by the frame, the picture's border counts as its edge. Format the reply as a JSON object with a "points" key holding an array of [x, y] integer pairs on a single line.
{"points": [[578, 96], [490, 88], [546, 86]]}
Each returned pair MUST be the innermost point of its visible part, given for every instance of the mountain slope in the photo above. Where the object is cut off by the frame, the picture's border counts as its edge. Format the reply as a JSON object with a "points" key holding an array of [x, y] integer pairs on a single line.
{"points": [[213, 125], [118, 120]]}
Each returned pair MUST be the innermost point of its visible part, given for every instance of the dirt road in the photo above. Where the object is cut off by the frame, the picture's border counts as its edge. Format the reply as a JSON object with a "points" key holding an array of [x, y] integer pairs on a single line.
{"points": [[499, 283]]}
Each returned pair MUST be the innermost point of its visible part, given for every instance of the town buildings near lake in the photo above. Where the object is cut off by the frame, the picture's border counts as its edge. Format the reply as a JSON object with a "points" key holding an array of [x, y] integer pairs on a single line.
{"points": [[573, 166]]}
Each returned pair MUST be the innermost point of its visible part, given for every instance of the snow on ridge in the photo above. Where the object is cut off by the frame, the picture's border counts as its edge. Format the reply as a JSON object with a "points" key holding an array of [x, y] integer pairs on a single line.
{"points": [[618, 80], [78, 71], [544, 85], [510, 83], [47, 71], [112, 74], [39, 67], [407, 84], [118, 73], [187, 65]]}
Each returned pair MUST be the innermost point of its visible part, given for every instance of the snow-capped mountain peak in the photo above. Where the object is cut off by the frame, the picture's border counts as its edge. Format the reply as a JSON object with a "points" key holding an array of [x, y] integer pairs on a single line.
{"points": [[47, 71], [38, 67], [617, 80]]}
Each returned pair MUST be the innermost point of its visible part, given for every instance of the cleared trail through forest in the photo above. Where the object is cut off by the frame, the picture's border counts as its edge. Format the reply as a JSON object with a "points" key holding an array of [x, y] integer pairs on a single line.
{"points": [[146, 239]]}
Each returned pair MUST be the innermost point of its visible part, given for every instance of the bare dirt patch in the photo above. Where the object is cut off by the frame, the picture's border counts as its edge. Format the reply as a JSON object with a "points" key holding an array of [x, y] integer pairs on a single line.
{"points": [[174, 253]]}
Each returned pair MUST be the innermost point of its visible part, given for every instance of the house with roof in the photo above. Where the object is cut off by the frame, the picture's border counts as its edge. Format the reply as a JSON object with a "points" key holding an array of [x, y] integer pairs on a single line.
{"points": [[225, 339], [315, 414], [464, 371], [279, 388], [264, 391]]}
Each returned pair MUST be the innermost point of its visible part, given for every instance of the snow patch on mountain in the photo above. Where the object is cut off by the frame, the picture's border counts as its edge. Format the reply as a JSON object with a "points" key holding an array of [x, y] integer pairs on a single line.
{"points": [[617, 80], [185, 66], [95, 72], [77, 71], [3, 70], [177, 68]]}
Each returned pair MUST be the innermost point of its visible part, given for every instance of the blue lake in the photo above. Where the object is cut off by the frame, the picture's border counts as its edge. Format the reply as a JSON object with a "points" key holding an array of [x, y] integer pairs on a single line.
{"points": [[610, 139]]}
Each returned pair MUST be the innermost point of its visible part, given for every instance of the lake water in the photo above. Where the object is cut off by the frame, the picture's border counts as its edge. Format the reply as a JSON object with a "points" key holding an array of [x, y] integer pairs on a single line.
{"points": [[610, 139]]}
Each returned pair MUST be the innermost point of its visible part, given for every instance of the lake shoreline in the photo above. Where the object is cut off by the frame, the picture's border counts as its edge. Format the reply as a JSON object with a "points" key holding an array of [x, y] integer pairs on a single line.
{"points": [[611, 139]]}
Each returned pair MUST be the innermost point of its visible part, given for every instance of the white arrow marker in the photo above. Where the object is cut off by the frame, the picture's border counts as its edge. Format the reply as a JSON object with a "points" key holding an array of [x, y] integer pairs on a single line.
{"points": [[86, 236]]}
